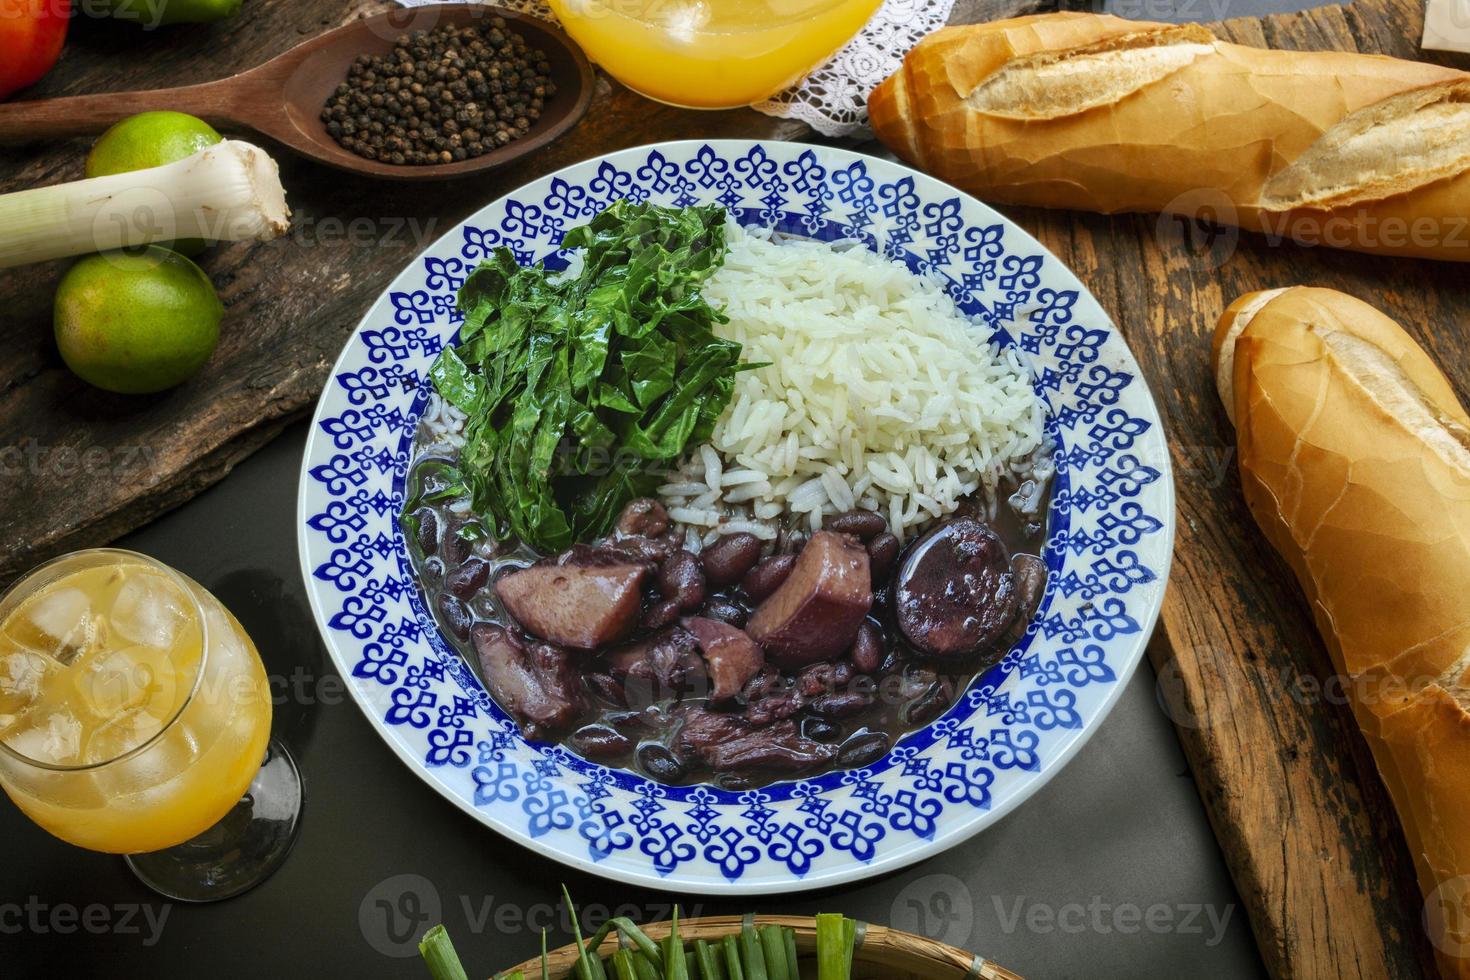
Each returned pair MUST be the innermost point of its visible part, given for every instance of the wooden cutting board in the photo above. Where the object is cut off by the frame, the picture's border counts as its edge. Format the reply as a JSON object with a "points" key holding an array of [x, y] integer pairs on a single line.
{"points": [[1295, 801]]}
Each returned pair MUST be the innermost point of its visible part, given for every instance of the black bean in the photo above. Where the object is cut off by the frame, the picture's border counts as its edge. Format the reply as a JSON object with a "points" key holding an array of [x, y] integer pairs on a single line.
{"points": [[729, 558], [863, 524], [681, 577], [882, 550], [867, 649], [841, 704], [926, 707], [456, 548], [469, 578], [661, 613], [607, 687], [819, 729], [726, 612], [599, 742], [456, 615], [659, 763], [767, 576], [862, 749]]}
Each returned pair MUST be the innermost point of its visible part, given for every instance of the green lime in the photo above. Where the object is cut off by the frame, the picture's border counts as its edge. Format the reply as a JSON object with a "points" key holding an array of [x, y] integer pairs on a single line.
{"points": [[136, 321], [149, 14], [152, 139]]}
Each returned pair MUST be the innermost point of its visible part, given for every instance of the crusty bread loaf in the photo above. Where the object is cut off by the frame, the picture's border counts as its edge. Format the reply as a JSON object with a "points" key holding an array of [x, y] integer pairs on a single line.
{"points": [[1355, 461], [1098, 113]]}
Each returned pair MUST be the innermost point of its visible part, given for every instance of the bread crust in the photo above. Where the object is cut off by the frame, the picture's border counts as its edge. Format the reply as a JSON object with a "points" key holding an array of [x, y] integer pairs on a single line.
{"points": [[1355, 461], [1212, 131]]}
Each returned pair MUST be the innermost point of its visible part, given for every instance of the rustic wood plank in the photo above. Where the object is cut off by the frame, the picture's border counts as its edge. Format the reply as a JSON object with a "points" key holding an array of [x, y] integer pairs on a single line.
{"points": [[1294, 798]]}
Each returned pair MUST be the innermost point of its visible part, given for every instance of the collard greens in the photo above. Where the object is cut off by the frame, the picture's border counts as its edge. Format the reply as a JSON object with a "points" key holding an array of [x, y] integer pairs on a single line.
{"points": [[580, 388]]}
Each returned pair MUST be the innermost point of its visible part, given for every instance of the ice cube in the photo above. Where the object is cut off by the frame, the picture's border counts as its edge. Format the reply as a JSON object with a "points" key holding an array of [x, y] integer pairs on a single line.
{"points": [[149, 609], [22, 672], [118, 681], [53, 737], [60, 624], [121, 735], [160, 763]]}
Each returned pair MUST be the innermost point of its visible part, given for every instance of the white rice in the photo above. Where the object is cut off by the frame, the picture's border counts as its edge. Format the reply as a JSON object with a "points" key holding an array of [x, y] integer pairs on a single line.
{"points": [[879, 394]]}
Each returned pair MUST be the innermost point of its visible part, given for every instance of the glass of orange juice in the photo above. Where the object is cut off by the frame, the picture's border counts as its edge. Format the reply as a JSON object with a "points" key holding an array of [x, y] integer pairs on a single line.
{"points": [[711, 54], [135, 719]]}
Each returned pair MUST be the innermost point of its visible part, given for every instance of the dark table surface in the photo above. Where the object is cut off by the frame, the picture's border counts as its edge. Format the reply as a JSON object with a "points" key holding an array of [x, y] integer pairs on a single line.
{"points": [[1111, 870]]}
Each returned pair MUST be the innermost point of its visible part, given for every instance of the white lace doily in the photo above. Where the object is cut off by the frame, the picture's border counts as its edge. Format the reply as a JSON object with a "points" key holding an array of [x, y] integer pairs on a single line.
{"points": [[833, 99]]}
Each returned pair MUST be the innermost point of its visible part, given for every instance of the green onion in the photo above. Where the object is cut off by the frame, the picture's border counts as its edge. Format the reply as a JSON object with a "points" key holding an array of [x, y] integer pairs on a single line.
{"points": [[595, 943], [622, 961], [732, 958], [629, 930], [674, 964], [545, 962], [647, 970], [230, 191], [751, 955], [439, 955], [788, 939], [834, 946], [775, 949], [709, 964], [589, 966]]}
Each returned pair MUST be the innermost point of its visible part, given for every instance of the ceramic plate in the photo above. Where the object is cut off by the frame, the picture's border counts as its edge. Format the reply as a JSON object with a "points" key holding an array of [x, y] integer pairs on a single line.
{"points": [[1109, 544]]}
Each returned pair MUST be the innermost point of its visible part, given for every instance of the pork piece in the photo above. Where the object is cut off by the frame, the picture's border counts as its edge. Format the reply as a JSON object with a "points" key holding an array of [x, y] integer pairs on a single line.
{"points": [[666, 663], [703, 729], [580, 606], [816, 612], [780, 748], [778, 705], [534, 682], [955, 592], [731, 657]]}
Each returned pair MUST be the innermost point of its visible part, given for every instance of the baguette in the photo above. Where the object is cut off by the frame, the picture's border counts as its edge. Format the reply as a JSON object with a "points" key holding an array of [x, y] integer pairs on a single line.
{"points": [[1097, 113], [1355, 461]]}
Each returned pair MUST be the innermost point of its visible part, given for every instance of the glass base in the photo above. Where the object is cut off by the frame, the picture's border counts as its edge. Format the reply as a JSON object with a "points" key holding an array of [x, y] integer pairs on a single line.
{"points": [[240, 851]]}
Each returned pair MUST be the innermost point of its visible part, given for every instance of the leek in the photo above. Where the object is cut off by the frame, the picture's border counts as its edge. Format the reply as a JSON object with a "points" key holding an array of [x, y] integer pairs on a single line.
{"points": [[230, 191]]}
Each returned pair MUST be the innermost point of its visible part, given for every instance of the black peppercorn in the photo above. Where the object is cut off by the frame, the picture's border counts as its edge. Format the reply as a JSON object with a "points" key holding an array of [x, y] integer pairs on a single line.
{"points": [[440, 95]]}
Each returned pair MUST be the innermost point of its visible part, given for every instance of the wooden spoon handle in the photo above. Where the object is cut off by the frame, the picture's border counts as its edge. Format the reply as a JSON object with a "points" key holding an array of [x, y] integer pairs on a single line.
{"points": [[80, 115]]}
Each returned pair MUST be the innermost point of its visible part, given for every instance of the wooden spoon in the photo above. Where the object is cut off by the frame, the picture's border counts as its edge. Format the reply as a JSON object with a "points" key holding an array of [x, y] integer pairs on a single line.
{"points": [[283, 98]]}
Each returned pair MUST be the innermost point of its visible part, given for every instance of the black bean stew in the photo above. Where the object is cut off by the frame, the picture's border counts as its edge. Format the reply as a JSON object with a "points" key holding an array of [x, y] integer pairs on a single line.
{"points": [[745, 664]]}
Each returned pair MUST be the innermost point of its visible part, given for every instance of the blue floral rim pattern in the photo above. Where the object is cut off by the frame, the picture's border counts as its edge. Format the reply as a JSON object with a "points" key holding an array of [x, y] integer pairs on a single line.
{"points": [[1108, 548]]}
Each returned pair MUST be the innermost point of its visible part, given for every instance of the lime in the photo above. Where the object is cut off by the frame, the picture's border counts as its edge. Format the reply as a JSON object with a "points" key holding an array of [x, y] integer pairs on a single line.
{"points": [[152, 13], [136, 321], [152, 139]]}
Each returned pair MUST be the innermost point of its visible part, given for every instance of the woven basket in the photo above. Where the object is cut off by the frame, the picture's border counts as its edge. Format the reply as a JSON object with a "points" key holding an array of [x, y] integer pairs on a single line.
{"points": [[882, 953]]}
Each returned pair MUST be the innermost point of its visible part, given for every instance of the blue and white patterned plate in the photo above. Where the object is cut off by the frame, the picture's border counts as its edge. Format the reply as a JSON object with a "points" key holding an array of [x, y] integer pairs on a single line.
{"points": [[1109, 545]]}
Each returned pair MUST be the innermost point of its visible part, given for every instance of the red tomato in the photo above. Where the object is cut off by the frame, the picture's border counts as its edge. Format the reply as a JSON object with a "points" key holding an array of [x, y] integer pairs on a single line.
{"points": [[31, 35]]}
